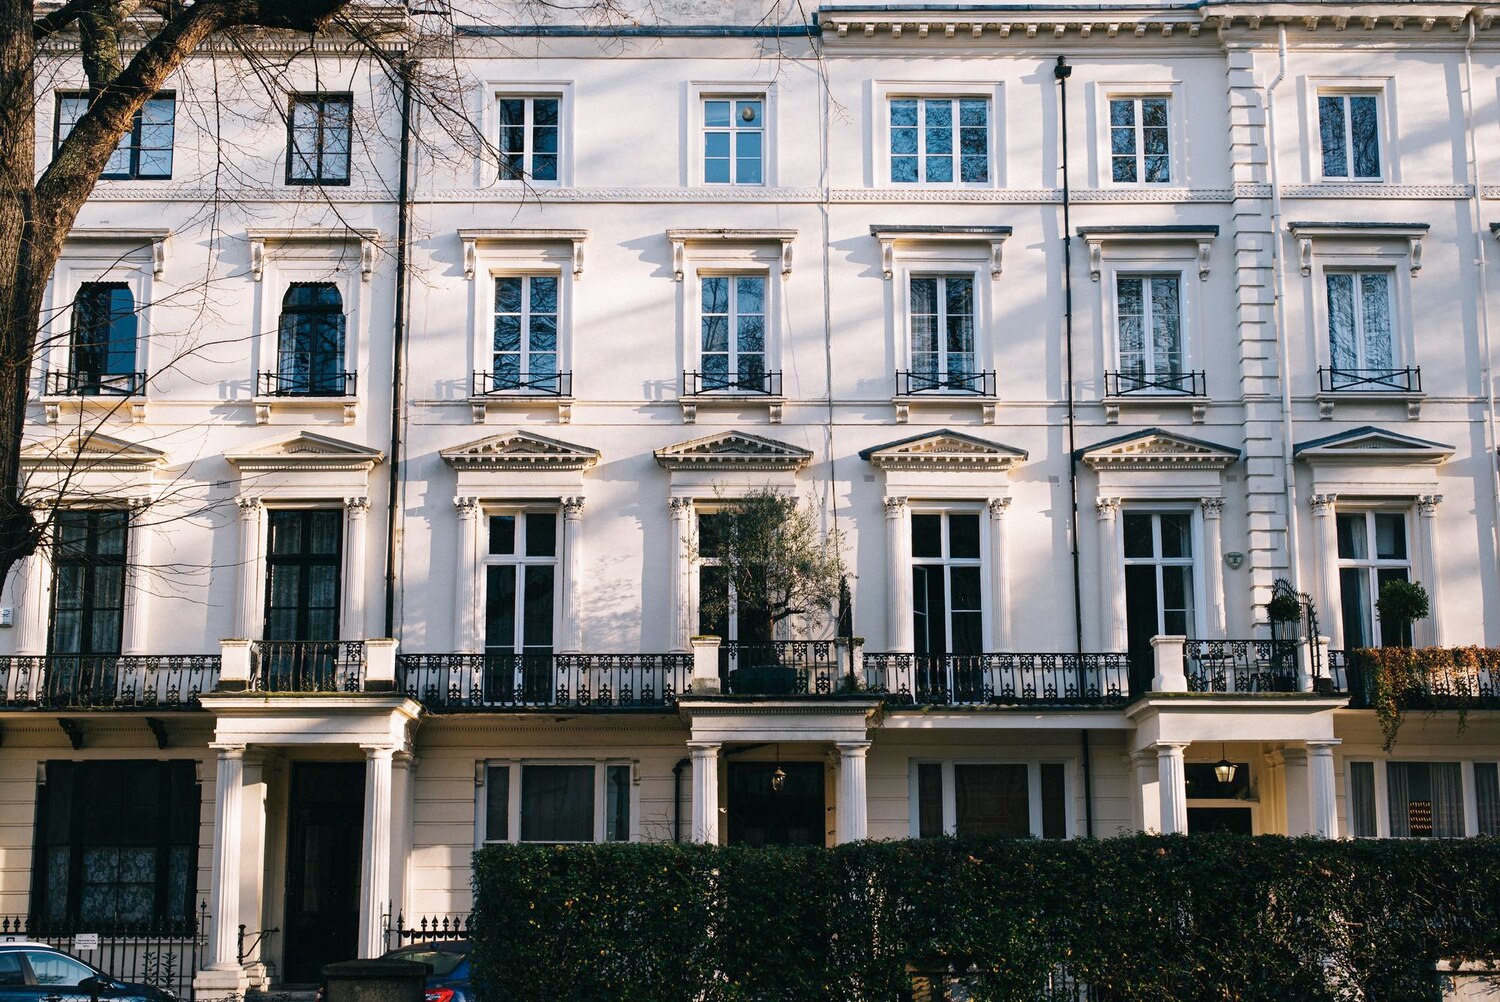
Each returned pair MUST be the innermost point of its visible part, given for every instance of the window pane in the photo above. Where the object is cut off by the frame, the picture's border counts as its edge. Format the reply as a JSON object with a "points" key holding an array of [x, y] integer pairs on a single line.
{"points": [[716, 114], [1177, 535], [500, 610], [502, 534], [1331, 133], [1487, 789], [1353, 544], [536, 629], [1375, 306], [617, 801], [926, 535], [1362, 799], [541, 534], [963, 536], [1137, 535], [929, 800], [557, 803], [1341, 336], [1355, 607], [1390, 535], [992, 800], [1364, 130], [1054, 802]]}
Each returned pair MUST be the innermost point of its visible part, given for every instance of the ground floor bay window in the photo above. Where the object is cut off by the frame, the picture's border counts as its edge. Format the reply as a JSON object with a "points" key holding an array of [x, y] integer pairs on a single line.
{"points": [[1423, 799], [557, 802], [989, 798]]}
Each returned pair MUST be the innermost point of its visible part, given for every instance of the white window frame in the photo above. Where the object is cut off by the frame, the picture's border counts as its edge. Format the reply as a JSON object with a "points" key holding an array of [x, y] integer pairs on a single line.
{"points": [[1133, 255], [487, 166], [1033, 791], [486, 345], [879, 130], [733, 130], [1373, 565], [1383, 89], [923, 266], [1359, 315], [284, 263], [1195, 524], [1168, 91], [521, 561], [85, 265], [1383, 798], [601, 804], [732, 317], [1146, 275], [698, 91], [760, 265], [547, 257], [947, 562]]}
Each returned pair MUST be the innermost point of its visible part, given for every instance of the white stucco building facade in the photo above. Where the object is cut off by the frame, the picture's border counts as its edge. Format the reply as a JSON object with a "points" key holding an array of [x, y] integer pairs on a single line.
{"points": [[384, 539]]}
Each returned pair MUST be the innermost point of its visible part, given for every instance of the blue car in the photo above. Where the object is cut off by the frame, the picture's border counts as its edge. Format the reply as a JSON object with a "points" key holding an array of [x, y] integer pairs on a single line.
{"points": [[35, 972]]}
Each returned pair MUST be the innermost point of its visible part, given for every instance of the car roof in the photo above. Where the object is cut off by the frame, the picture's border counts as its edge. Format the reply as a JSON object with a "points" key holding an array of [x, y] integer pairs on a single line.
{"points": [[29, 944]]}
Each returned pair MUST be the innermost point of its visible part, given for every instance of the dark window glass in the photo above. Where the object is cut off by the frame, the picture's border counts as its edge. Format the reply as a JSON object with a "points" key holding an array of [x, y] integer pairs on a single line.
{"points": [[310, 349], [1487, 788], [927, 535], [617, 803], [541, 534], [529, 138], [929, 610], [557, 803], [303, 563], [502, 534], [1362, 798], [929, 800], [11, 975], [88, 582], [497, 803], [963, 536], [145, 151], [104, 339], [1138, 535], [1054, 801], [320, 136], [992, 799], [117, 844]]}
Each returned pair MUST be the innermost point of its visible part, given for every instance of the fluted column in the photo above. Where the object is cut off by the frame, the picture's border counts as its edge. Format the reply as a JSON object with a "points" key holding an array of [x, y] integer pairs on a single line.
{"points": [[375, 872], [353, 617], [1111, 575], [1429, 632], [679, 584], [854, 812], [999, 577], [898, 612], [248, 618], [34, 577], [705, 790], [571, 639], [1213, 566], [1146, 805], [1326, 561], [1172, 787], [224, 896], [1321, 796], [466, 578]]}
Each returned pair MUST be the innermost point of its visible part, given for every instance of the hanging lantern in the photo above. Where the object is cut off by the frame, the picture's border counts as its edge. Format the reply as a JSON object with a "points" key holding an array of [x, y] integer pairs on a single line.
{"points": [[1224, 771], [778, 780]]}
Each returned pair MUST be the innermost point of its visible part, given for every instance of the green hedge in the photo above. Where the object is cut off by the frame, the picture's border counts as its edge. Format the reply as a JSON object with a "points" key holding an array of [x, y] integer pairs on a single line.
{"points": [[1182, 918]]}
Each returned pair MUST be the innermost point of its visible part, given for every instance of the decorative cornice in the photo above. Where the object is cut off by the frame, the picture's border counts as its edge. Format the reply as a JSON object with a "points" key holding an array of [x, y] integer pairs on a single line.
{"points": [[1307, 232], [520, 235], [944, 450], [733, 450], [520, 450], [890, 236], [1096, 237], [681, 238], [368, 240], [122, 235]]}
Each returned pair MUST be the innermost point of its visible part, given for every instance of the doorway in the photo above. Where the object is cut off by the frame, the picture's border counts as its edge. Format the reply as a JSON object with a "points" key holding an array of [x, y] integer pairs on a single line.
{"points": [[325, 835], [761, 815]]}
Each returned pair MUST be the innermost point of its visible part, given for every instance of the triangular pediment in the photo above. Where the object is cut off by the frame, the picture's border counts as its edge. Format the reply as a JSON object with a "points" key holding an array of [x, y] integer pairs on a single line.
{"points": [[520, 450], [1373, 446], [735, 450], [943, 450], [305, 451], [1157, 449], [91, 453]]}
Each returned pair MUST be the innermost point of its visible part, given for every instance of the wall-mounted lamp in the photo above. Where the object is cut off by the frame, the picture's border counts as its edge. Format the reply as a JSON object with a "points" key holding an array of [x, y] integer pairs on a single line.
{"points": [[1234, 558]]}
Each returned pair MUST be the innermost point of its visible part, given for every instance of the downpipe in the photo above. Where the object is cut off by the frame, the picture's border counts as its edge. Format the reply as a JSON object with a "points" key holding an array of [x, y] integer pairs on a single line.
{"points": [[1278, 311]]}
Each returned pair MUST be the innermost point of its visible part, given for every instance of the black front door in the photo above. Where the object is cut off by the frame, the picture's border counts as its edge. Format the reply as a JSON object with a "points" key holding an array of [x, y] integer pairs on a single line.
{"points": [[324, 837], [761, 815]]}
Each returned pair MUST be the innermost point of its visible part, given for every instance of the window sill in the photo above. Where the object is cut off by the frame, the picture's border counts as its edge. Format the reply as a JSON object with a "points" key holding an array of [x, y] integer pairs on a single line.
{"points": [[264, 406], [481, 405], [745, 401], [1327, 398], [939, 398], [1197, 403], [133, 404]]}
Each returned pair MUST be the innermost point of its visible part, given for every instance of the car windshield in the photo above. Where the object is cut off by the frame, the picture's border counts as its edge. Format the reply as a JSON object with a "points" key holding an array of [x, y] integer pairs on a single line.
{"points": [[443, 962]]}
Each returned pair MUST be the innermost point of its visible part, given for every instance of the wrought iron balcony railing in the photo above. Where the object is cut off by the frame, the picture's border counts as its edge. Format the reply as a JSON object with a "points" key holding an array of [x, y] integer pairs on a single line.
{"points": [[460, 682], [913, 383], [696, 384], [787, 667], [1000, 679], [1332, 380], [1240, 666], [504, 384], [307, 665], [308, 384], [1462, 679], [96, 384], [1181, 384], [107, 681]]}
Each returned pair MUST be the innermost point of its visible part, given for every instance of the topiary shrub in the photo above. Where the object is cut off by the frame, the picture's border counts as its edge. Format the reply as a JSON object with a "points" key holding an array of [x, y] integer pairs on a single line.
{"points": [[1400, 604]]}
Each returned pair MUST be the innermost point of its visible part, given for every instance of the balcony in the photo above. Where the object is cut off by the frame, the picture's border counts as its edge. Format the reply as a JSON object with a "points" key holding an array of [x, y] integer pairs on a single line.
{"points": [[1369, 386], [460, 683], [731, 389], [1463, 678], [1241, 666], [931, 388], [95, 384], [308, 666], [786, 668], [305, 384], [504, 384], [1138, 388], [154, 682], [1009, 679]]}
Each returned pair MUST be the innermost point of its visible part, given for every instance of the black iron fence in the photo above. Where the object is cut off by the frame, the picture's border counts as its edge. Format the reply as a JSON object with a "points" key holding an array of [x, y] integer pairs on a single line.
{"points": [[1241, 666], [786, 667], [536, 384], [1128, 383], [999, 679], [107, 682], [95, 384], [911, 383], [456, 682], [307, 384], [1461, 678], [426, 929], [766, 383], [164, 955], [1407, 380], [307, 665]]}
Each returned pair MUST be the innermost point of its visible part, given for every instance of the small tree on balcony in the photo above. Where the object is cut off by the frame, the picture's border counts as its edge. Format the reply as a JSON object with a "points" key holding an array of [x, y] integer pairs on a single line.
{"points": [[1401, 603]]}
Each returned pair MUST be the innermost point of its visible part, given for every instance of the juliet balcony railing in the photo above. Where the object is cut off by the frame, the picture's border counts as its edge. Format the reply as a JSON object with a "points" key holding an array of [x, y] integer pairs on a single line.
{"points": [[477, 682], [695, 384], [999, 679], [1461, 678], [1241, 666], [1405, 380], [95, 384], [1145, 384], [107, 682], [786, 667], [537, 384], [307, 384], [325, 666], [915, 383]]}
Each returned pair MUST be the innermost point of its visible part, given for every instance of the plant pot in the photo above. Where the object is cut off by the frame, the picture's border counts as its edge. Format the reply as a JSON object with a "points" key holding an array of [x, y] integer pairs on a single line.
{"points": [[763, 680]]}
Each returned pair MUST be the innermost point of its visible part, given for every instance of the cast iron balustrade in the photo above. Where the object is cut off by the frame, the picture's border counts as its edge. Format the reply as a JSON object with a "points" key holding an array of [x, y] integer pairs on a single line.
{"points": [[1182, 384], [551, 384], [107, 681], [696, 384], [910, 384], [1000, 679], [307, 665], [164, 954], [1408, 380], [459, 682], [96, 384], [785, 667], [308, 384], [1240, 666], [426, 929], [1447, 685]]}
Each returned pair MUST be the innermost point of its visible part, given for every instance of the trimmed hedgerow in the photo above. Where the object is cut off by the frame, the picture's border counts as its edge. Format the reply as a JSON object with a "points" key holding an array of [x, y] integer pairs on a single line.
{"points": [[1143, 918]]}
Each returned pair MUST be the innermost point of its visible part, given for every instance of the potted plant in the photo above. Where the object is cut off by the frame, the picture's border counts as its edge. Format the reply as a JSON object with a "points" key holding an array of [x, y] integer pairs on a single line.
{"points": [[1401, 603], [1284, 610], [779, 563]]}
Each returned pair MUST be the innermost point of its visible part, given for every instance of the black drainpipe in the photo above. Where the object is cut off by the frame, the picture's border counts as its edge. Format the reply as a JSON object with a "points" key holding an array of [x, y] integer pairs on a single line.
{"points": [[1061, 72], [398, 350], [682, 764]]}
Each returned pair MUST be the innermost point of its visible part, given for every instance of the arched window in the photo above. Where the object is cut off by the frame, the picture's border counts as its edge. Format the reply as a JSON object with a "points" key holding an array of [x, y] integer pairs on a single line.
{"points": [[104, 336], [310, 352]]}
